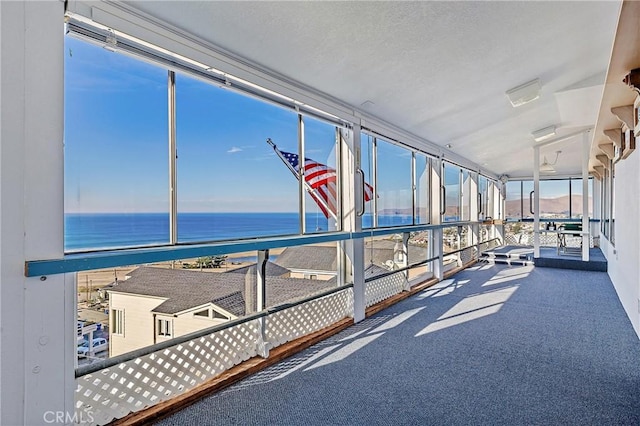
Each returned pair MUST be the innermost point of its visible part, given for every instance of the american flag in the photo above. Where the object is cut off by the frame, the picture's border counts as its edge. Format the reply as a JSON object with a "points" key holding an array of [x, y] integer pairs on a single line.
{"points": [[321, 183]]}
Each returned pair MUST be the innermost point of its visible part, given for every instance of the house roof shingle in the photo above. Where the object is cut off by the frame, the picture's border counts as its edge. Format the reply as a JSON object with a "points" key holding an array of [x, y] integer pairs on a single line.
{"points": [[323, 258], [310, 258], [185, 289], [273, 270]]}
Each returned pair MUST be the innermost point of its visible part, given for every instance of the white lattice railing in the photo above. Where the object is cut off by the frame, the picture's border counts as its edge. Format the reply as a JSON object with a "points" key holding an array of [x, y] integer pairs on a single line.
{"points": [[468, 254], [131, 386], [547, 239], [380, 289], [304, 319]]}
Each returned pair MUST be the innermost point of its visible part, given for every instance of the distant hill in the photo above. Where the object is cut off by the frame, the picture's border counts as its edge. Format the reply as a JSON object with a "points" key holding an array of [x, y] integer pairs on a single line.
{"points": [[548, 206], [559, 206]]}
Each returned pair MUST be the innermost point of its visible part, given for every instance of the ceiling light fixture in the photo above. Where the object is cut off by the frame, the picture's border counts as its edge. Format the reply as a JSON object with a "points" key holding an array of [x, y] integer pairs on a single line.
{"points": [[524, 93], [543, 134], [547, 167]]}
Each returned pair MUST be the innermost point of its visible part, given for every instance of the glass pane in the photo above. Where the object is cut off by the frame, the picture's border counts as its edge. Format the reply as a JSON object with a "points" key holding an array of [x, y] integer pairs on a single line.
{"points": [[422, 213], [395, 202], [554, 199], [576, 198], [299, 272], [452, 197], [321, 204], [231, 183], [418, 251], [367, 144], [383, 254], [115, 150], [451, 239], [466, 236]]}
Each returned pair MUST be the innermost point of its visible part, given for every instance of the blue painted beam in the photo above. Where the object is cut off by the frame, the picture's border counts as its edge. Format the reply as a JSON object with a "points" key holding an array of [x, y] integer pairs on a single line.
{"points": [[114, 258]]}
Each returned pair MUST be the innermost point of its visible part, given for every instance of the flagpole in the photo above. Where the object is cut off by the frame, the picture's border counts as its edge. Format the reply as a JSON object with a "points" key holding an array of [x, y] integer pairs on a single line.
{"points": [[295, 173]]}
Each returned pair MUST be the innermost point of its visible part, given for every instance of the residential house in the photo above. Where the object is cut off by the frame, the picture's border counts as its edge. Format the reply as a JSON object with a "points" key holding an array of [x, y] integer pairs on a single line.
{"points": [[157, 304]]}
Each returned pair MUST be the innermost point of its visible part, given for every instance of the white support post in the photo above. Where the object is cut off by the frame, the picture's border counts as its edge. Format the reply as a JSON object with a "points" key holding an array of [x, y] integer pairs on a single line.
{"points": [[261, 301], [173, 156], [585, 196], [302, 192], [352, 201], [405, 259], [436, 217], [597, 209], [536, 202], [473, 230], [37, 315]]}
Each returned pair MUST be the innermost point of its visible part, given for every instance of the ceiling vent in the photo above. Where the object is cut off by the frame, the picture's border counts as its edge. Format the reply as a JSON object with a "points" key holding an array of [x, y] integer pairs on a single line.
{"points": [[544, 134], [524, 93]]}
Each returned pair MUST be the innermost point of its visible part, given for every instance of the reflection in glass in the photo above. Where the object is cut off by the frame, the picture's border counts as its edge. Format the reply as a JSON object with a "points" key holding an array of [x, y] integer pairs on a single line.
{"points": [[320, 145]]}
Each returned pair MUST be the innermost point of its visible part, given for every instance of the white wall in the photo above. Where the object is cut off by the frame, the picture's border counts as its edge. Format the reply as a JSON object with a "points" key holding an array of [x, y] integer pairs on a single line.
{"points": [[624, 258], [138, 322], [188, 323], [37, 347]]}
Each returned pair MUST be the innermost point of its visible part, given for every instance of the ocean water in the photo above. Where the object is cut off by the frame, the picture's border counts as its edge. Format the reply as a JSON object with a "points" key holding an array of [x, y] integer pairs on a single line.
{"points": [[87, 231]]}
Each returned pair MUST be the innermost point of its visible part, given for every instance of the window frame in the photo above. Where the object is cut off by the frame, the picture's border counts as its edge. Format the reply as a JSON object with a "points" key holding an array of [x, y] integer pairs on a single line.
{"points": [[164, 327], [117, 322]]}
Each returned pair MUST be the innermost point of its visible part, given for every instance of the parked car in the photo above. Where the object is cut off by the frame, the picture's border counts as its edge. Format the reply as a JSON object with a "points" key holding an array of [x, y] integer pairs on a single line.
{"points": [[98, 345]]}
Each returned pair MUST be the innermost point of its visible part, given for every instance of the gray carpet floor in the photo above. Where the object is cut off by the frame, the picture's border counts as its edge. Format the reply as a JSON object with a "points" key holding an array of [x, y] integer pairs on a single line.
{"points": [[493, 345]]}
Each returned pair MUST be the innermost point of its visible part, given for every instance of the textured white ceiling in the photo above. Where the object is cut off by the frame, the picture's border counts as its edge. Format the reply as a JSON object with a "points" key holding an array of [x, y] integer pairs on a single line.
{"points": [[436, 69]]}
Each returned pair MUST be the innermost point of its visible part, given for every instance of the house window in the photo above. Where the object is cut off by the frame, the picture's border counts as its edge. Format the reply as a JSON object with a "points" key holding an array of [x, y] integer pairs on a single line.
{"points": [[164, 327], [117, 321]]}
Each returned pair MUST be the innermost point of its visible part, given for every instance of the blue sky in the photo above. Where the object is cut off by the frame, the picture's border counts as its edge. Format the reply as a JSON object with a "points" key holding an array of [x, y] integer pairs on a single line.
{"points": [[116, 143]]}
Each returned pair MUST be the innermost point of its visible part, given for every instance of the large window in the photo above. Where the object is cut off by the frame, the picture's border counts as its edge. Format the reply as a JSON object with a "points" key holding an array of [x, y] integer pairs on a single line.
{"points": [[488, 194], [231, 183], [395, 199], [559, 199], [451, 193], [393, 172], [115, 145]]}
